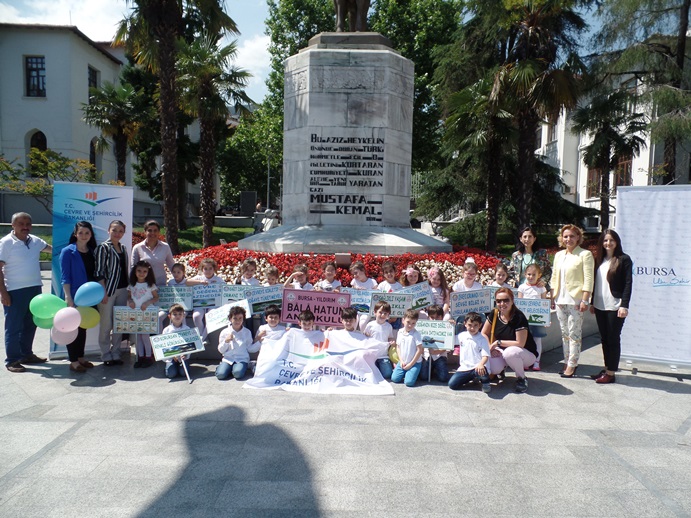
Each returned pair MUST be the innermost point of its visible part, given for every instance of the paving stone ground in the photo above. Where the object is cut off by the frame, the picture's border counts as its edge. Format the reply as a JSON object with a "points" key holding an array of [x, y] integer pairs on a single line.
{"points": [[122, 442]]}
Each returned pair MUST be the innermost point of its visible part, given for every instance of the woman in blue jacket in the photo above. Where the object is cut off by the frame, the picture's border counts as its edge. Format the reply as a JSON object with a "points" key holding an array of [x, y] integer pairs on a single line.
{"points": [[78, 265], [611, 297]]}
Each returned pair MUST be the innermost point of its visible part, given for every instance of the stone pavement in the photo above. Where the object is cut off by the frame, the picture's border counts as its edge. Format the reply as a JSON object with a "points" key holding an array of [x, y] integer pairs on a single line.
{"points": [[123, 442]]}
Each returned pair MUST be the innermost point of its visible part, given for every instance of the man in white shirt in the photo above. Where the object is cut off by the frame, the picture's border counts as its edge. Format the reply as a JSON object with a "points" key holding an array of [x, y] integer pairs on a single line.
{"points": [[20, 281]]}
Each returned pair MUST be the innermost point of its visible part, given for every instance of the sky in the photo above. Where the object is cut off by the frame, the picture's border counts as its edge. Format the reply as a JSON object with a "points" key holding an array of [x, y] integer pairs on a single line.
{"points": [[98, 20]]}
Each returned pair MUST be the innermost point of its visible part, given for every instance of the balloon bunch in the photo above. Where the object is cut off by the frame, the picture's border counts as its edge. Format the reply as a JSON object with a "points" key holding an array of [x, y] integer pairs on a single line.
{"points": [[51, 312]]}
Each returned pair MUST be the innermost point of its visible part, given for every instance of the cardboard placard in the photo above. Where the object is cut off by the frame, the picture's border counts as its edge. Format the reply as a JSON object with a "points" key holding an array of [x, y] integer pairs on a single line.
{"points": [[537, 311], [360, 299], [234, 292], [436, 334], [136, 321], [261, 297], [218, 318], [169, 295], [207, 295], [422, 295], [325, 305], [176, 344], [463, 302], [398, 301]]}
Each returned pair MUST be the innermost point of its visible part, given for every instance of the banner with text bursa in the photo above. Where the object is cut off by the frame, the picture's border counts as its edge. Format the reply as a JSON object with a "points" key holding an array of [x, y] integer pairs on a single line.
{"points": [[326, 306], [99, 205]]}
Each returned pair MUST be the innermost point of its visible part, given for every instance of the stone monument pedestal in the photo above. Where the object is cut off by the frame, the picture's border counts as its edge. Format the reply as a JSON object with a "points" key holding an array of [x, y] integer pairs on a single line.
{"points": [[348, 113]]}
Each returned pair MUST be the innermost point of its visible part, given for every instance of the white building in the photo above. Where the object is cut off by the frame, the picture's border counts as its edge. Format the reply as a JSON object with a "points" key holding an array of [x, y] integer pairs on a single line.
{"points": [[45, 75], [564, 150]]}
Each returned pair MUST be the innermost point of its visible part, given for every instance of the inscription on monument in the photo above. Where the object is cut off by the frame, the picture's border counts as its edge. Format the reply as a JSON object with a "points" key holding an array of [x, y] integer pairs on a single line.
{"points": [[350, 165]]}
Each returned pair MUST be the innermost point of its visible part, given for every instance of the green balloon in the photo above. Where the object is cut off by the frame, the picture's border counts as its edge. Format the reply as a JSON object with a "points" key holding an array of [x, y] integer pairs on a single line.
{"points": [[43, 323], [45, 305]]}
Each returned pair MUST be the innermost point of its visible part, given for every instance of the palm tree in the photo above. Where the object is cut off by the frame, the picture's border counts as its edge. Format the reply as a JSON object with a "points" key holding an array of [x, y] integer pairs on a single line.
{"points": [[208, 81], [113, 109], [615, 131], [152, 32]]}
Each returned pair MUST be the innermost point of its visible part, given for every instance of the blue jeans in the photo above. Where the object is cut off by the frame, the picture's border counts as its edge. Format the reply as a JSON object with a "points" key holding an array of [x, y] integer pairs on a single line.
{"points": [[408, 377], [19, 324], [464, 377], [385, 367], [440, 370], [225, 370], [174, 369]]}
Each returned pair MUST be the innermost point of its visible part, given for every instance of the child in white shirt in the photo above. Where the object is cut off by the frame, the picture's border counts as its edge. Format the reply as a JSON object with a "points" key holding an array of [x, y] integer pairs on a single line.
{"points": [[298, 279], [409, 350], [235, 344], [360, 280], [174, 367], [142, 293], [207, 275], [380, 329], [468, 282], [389, 284], [248, 269], [533, 289], [329, 282], [271, 274], [474, 355], [272, 330], [501, 274]]}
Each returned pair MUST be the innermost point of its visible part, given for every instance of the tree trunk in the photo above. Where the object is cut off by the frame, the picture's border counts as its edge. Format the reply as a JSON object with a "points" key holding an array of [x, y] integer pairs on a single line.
{"points": [[528, 123], [604, 197], [120, 151], [494, 192], [207, 147], [168, 111]]}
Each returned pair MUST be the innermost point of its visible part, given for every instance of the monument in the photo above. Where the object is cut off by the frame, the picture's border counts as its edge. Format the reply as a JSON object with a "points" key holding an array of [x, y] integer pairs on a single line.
{"points": [[347, 142]]}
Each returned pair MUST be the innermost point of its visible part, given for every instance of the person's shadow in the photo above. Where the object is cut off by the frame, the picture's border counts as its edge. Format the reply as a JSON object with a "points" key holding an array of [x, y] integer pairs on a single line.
{"points": [[238, 469]]}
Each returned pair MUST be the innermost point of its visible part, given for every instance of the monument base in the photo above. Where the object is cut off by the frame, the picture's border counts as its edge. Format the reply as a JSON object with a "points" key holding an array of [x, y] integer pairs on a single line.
{"points": [[329, 239]]}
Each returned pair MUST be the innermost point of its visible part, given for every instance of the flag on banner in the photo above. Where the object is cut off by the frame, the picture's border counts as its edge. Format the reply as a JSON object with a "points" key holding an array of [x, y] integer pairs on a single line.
{"points": [[338, 363]]}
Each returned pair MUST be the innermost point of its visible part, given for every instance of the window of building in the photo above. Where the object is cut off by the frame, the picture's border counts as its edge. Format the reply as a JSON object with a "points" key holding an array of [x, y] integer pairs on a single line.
{"points": [[592, 189], [622, 173], [35, 71], [552, 129], [538, 137], [92, 79], [38, 140]]}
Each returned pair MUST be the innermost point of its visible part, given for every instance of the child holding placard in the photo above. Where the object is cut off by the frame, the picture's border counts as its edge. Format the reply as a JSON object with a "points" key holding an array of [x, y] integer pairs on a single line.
{"points": [[440, 368], [411, 275], [235, 344], [440, 290], [409, 349], [142, 293], [248, 269], [532, 289], [272, 330], [207, 275], [174, 367], [329, 282]]}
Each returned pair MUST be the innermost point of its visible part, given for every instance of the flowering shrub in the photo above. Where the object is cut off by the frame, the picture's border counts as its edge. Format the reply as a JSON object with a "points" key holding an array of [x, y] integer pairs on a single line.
{"points": [[229, 258]]}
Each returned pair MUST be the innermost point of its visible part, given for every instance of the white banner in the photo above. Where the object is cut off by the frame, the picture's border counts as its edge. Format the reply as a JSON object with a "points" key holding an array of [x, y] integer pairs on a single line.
{"points": [[652, 222], [340, 363]]}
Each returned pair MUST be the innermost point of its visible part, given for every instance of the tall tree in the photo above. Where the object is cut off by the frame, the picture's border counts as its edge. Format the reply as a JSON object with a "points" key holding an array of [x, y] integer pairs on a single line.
{"points": [[615, 131], [208, 81], [113, 109], [152, 32], [647, 40]]}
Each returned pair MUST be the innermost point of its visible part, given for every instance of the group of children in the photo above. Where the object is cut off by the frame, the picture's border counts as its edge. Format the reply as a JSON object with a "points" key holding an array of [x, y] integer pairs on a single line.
{"points": [[236, 342]]}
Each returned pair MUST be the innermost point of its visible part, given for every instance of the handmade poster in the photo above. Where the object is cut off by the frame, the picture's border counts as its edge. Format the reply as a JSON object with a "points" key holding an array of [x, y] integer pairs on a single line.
{"points": [[136, 321], [537, 311], [260, 297], [233, 292], [463, 302], [398, 301], [217, 318], [176, 344], [207, 295], [169, 295], [360, 299], [422, 295], [326, 306], [338, 363], [436, 334]]}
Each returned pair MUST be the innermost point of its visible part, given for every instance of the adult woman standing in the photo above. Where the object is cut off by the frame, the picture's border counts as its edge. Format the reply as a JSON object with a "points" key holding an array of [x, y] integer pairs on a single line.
{"points": [[154, 251], [572, 284], [112, 271], [510, 341], [611, 296], [529, 252], [78, 266]]}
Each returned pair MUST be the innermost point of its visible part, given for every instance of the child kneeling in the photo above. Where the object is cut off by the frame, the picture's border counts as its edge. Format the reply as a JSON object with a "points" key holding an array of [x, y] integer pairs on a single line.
{"points": [[409, 350], [174, 367], [235, 344], [473, 355]]}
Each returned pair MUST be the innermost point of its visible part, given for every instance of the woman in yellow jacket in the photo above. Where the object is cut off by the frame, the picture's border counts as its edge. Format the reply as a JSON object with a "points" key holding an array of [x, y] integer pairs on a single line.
{"points": [[572, 284]]}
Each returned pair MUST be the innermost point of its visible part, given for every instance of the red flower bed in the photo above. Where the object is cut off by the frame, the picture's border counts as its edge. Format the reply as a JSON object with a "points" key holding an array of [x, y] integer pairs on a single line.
{"points": [[229, 258]]}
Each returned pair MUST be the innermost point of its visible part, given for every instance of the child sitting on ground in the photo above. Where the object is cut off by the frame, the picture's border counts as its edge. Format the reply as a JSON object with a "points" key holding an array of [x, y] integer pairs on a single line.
{"points": [[473, 356], [440, 368], [409, 350], [235, 344], [380, 329], [173, 367], [329, 282], [272, 330]]}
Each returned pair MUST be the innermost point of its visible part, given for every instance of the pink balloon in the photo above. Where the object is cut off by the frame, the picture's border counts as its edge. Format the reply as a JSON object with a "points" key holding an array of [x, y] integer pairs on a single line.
{"points": [[67, 319], [63, 338]]}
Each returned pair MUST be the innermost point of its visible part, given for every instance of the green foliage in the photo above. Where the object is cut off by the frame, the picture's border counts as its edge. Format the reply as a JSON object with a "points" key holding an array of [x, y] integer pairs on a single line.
{"points": [[45, 168]]}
